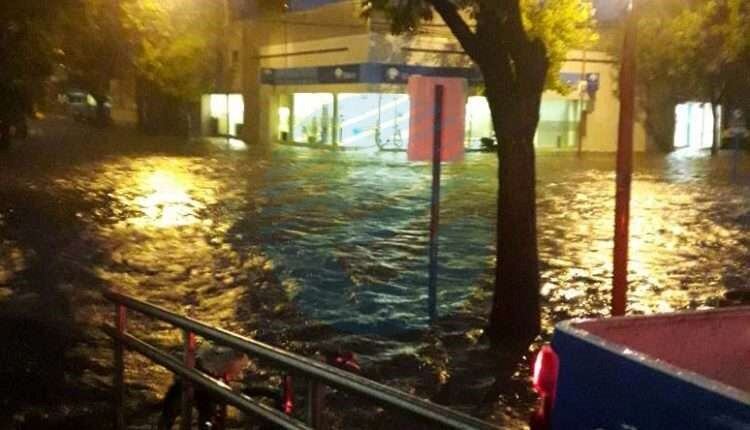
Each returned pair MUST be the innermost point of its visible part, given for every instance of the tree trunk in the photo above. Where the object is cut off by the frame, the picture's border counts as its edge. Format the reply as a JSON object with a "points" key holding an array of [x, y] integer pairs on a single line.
{"points": [[660, 117], [515, 315], [514, 67], [716, 137], [515, 309]]}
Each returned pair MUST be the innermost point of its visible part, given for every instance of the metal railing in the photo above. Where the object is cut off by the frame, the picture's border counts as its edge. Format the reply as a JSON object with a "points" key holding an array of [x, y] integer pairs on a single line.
{"points": [[316, 374]]}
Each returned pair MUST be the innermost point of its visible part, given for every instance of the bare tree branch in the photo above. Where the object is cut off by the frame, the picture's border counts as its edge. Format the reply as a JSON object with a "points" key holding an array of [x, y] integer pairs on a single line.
{"points": [[449, 12]]}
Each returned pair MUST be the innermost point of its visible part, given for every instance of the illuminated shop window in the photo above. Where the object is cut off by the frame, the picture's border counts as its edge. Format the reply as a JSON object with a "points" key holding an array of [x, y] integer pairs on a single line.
{"points": [[558, 124], [284, 117], [694, 125], [228, 110], [370, 120], [236, 114], [313, 118], [218, 105], [478, 121]]}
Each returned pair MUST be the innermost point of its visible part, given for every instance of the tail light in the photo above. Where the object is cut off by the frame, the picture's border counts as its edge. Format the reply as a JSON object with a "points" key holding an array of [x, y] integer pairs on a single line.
{"points": [[288, 395], [546, 369]]}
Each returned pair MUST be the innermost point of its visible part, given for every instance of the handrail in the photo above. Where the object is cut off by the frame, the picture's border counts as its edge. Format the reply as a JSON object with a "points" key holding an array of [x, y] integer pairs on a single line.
{"points": [[213, 385], [312, 369]]}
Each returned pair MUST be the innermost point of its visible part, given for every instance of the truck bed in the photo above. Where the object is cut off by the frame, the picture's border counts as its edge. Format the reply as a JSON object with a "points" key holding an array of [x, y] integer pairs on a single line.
{"points": [[713, 344], [687, 371]]}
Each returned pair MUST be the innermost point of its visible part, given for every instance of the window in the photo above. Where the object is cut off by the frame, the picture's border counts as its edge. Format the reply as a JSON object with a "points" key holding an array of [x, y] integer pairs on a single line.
{"points": [[558, 124], [284, 117], [313, 118], [228, 110], [373, 120], [478, 121]]}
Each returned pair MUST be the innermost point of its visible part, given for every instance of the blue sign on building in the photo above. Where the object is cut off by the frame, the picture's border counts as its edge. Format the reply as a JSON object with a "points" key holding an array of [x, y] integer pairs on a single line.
{"points": [[308, 4], [380, 73]]}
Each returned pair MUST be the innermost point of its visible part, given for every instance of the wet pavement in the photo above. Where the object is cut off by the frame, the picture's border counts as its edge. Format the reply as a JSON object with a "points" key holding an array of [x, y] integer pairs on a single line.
{"points": [[309, 249]]}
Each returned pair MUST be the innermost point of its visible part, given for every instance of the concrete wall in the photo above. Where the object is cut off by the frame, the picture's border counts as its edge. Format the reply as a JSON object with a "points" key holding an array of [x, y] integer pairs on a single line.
{"points": [[336, 34], [426, 50], [321, 52], [601, 123], [269, 37]]}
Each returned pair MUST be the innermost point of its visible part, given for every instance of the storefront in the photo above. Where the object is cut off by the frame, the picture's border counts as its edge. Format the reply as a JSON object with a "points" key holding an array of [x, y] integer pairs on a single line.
{"points": [[365, 106], [222, 114], [345, 119], [694, 125], [559, 124]]}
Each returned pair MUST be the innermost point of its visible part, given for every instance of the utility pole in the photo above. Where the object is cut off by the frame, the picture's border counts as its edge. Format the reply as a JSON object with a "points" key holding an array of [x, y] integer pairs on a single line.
{"points": [[437, 159], [624, 165], [581, 109]]}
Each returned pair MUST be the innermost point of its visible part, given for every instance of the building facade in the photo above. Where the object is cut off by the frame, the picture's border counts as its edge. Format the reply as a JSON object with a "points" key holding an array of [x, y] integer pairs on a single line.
{"points": [[317, 73]]}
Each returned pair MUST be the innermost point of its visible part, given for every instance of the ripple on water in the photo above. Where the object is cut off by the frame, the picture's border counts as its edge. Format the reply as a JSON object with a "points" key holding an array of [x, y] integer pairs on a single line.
{"points": [[331, 247]]}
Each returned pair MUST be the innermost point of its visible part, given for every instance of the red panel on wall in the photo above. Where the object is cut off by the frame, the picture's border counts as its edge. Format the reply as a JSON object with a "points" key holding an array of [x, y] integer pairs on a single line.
{"points": [[422, 117]]}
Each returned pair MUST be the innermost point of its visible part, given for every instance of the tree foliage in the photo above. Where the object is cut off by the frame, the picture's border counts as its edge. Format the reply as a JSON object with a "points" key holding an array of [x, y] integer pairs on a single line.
{"points": [[693, 50], [176, 44], [92, 45], [519, 46], [27, 49], [561, 25]]}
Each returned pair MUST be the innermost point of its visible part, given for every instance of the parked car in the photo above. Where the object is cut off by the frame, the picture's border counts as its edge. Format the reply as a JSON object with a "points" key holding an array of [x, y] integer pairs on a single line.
{"points": [[686, 371], [84, 107], [77, 105]]}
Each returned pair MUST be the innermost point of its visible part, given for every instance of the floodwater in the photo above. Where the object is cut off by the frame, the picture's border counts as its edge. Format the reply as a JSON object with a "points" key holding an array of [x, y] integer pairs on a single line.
{"points": [[305, 249]]}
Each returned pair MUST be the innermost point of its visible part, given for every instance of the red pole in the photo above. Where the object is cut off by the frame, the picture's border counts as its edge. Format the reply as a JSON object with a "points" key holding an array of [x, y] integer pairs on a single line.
{"points": [[435, 208], [119, 375], [188, 338], [624, 166]]}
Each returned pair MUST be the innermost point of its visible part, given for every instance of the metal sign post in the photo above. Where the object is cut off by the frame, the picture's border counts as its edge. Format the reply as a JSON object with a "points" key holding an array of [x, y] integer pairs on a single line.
{"points": [[624, 168], [435, 209]]}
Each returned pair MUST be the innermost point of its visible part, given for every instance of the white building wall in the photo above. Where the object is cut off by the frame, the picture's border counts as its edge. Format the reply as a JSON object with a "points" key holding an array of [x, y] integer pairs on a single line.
{"points": [[321, 52], [600, 131], [601, 124]]}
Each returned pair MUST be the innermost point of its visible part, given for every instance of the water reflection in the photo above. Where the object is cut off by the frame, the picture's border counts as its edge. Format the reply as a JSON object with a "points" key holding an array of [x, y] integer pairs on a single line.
{"points": [[302, 247], [168, 204], [678, 246], [159, 193], [347, 232]]}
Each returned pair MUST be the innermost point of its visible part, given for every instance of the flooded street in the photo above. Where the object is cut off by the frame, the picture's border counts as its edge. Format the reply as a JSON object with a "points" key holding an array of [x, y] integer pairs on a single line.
{"points": [[306, 248]]}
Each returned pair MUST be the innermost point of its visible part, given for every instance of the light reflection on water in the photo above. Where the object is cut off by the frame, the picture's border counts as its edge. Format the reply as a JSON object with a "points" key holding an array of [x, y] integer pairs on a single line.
{"points": [[156, 192], [301, 246], [347, 232], [352, 231], [168, 203]]}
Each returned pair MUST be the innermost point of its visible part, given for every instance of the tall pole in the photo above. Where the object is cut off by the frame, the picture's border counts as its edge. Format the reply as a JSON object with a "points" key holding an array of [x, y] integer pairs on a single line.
{"points": [[581, 109], [435, 209], [118, 384], [624, 165]]}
